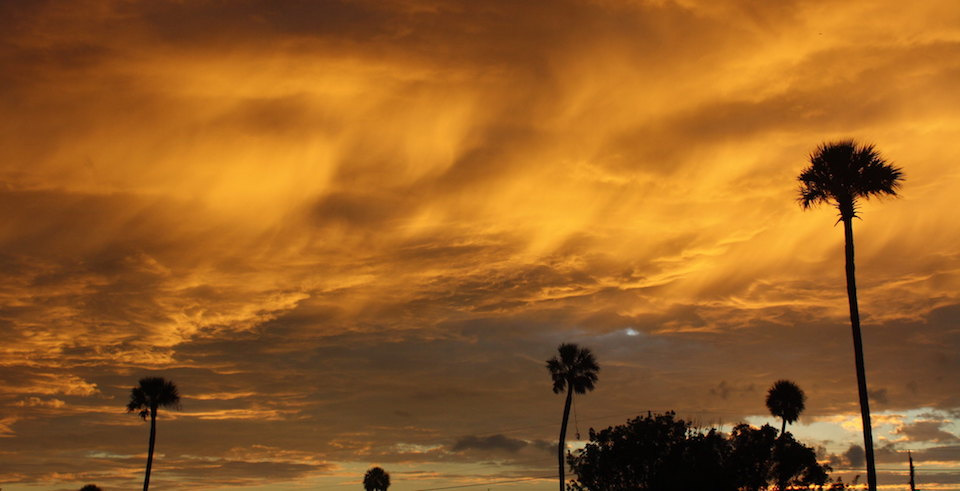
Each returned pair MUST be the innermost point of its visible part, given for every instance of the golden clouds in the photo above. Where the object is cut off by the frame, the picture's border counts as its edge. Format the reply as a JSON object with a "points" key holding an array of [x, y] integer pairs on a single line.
{"points": [[387, 212], [50, 384]]}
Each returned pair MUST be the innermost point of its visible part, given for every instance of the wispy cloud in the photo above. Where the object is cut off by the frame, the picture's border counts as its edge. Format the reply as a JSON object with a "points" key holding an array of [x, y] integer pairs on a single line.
{"points": [[354, 230]]}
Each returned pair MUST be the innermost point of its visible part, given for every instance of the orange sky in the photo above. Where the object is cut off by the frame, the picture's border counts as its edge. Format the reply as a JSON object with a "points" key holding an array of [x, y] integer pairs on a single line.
{"points": [[353, 231]]}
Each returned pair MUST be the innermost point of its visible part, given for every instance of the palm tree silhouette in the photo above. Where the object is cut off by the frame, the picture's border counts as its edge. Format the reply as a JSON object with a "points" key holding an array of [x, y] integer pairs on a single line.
{"points": [[91, 487], [841, 173], [785, 400], [376, 479], [151, 394], [574, 371]]}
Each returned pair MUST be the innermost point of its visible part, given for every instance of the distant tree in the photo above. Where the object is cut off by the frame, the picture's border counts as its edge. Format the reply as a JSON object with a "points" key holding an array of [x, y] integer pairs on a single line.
{"points": [[786, 401], [151, 394], [653, 452], [574, 370], [376, 479], [91, 487], [839, 485], [841, 173], [662, 453]]}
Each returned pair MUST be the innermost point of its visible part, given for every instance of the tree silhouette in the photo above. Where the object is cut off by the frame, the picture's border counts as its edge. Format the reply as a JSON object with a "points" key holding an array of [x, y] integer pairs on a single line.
{"points": [[151, 394], [653, 452], [841, 173], [752, 455], [575, 370], [913, 481], [91, 487], [785, 400], [376, 479], [664, 453]]}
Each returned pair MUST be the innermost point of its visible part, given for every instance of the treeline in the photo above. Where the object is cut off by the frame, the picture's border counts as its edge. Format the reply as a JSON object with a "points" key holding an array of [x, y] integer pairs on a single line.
{"points": [[664, 453]]}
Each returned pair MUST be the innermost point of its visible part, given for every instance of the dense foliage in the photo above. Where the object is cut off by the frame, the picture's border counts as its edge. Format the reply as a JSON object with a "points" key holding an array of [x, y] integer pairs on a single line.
{"points": [[663, 453], [376, 479]]}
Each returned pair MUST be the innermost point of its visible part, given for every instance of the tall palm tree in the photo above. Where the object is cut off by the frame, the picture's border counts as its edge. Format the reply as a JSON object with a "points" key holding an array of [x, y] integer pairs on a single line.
{"points": [[376, 479], [840, 173], [575, 370], [151, 394], [785, 400]]}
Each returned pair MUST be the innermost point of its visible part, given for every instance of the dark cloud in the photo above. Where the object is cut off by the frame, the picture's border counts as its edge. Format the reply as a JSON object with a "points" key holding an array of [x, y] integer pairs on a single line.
{"points": [[926, 431], [489, 443], [879, 395], [191, 23], [286, 116], [352, 231], [371, 211], [238, 472], [723, 390], [942, 453], [854, 456]]}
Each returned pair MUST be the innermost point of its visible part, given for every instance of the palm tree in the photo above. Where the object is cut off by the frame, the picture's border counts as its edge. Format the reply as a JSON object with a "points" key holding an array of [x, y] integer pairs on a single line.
{"points": [[376, 479], [840, 173], [91, 487], [574, 371], [785, 400], [151, 394]]}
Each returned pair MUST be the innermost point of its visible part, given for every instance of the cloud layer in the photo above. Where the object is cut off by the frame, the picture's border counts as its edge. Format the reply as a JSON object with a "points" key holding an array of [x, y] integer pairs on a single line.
{"points": [[353, 231]]}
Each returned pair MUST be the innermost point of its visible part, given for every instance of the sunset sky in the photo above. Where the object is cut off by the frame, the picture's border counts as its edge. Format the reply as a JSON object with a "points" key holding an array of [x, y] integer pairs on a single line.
{"points": [[353, 231]]}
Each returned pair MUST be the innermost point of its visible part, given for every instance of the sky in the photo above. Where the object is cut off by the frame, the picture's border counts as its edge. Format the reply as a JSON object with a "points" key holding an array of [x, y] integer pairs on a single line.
{"points": [[353, 231]]}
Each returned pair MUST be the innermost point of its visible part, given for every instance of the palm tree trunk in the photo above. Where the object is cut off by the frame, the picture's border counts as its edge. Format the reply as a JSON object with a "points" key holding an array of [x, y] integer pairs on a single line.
{"points": [[783, 427], [913, 483], [858, 353], [153, 440], [563, 433]]}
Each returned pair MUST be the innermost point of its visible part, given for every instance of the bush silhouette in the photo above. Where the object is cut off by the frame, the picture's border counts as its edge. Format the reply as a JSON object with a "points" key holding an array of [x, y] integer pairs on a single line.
{"points": [[661, 452]]}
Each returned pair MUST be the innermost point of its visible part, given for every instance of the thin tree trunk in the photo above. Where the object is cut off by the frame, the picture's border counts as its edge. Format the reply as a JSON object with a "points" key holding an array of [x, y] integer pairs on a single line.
{"points": [[563, 433], [913, 483], [153, 440], [858, 353], [783, 427]]}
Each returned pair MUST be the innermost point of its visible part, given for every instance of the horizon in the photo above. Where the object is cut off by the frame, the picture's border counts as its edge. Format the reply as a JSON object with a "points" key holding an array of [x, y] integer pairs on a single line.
{"points": [[353, 233]]}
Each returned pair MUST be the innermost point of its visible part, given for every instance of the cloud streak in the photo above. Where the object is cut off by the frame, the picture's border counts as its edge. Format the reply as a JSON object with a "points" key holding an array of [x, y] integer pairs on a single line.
{"points": [[352, 231]]}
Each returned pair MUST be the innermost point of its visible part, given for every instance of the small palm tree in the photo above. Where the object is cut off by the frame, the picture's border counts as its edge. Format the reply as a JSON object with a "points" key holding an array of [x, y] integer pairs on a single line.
{"points": [[151, 394], [91, 487], [376, 479], [841, 173], [785, 400], [575, 370]]}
